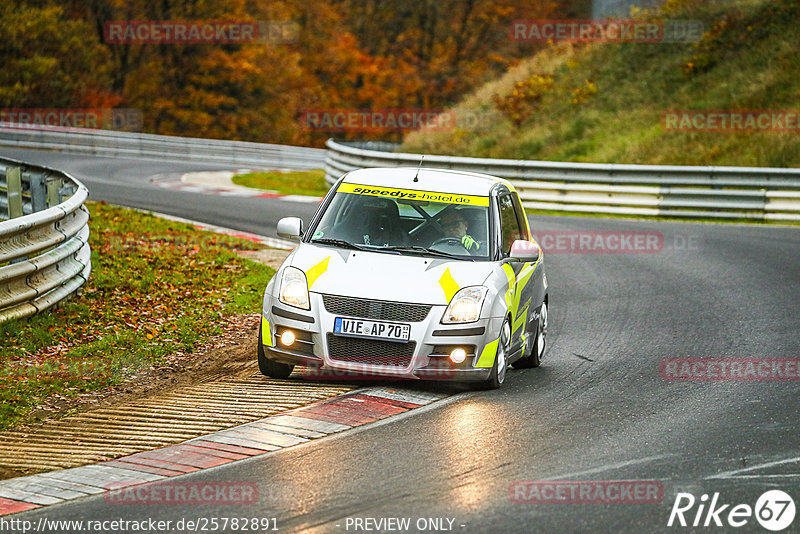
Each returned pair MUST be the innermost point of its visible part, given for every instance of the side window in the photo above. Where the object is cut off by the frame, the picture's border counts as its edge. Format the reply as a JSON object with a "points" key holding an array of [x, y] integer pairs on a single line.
{"points": [[523, 222], [509, 224]]}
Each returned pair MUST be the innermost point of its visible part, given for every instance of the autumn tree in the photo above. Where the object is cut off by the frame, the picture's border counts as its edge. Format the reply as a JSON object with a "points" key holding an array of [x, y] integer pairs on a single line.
{"points": [[349, 54], [454, 45], [49, 60]]}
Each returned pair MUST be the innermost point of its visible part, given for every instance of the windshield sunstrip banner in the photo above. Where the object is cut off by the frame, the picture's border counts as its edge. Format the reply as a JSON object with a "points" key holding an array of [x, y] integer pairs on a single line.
{"points": [[413, 194]]}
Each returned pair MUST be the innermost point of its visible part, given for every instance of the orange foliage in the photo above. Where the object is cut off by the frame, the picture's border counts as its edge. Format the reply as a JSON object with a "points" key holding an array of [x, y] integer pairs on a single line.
{"points": [[355, 54]]}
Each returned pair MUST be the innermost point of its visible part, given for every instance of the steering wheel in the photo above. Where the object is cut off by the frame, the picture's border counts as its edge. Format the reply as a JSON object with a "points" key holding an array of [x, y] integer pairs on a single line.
{"points": [[448, 241]]}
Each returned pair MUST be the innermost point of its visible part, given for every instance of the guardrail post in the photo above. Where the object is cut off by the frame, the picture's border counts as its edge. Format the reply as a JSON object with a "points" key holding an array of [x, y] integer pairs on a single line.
{"points": [[14, 184], [38, 192], [54, 191], [66, 190]]}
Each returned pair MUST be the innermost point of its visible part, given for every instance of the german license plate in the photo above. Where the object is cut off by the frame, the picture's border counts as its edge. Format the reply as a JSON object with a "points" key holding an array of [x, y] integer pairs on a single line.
{"points": [[372, 329]]}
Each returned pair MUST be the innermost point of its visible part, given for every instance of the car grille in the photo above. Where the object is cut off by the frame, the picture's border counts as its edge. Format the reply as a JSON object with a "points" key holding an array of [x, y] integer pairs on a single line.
{"points": [[380, 310], [370, 351]]}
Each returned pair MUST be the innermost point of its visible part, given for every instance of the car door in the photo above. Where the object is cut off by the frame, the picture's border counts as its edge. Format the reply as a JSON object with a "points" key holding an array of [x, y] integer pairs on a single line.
{"points": [[520, 274], [535, 288]]}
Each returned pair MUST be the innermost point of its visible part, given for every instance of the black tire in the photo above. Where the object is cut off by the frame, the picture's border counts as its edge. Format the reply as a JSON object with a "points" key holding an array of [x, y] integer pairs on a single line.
{"points": [[271, 368], [498, 374]]}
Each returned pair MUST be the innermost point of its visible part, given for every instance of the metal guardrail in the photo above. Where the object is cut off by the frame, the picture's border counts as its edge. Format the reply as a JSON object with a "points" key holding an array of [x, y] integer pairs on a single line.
{"points": [[162, 147], [757, 193], [44, 249]]}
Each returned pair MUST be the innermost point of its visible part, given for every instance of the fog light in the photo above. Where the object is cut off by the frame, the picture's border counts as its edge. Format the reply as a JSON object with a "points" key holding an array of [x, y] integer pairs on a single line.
{"points": [[458, 355], [287, 338]]}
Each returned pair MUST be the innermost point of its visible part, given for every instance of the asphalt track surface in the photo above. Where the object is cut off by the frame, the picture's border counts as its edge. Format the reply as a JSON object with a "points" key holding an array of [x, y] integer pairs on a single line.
{"points": [[129, 182], [598, 408]]}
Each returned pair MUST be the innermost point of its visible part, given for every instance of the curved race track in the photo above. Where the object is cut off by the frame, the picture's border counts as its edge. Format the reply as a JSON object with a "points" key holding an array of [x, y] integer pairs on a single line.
{"points": [[598, 408]]}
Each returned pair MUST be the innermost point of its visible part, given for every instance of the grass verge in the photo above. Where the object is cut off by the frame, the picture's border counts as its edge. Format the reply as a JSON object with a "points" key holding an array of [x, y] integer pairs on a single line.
{"points": [[159, 289], [605, 102], [310, 183]]}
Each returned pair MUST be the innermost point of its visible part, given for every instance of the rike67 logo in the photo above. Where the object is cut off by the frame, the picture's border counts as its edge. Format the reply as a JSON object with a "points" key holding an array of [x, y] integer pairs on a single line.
{"points": [[774, 510]]}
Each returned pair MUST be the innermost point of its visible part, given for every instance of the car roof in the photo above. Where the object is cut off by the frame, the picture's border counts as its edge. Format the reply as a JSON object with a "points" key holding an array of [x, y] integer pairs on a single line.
{"points": [[438, 180]]}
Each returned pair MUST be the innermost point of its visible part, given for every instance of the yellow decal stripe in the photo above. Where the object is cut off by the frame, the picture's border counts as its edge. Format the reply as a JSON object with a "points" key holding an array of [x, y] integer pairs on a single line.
{"points": [[520, 320], [488, 355], [524, 277], [517, 284], [316, 271], [511, 277], [412, 194], [266, 334], [449, 285]]}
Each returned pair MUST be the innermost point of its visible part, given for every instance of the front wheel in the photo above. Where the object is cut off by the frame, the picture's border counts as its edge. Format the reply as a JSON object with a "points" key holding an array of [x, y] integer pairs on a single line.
{"points": [[498, 374], [268, 367], [534, 359]]}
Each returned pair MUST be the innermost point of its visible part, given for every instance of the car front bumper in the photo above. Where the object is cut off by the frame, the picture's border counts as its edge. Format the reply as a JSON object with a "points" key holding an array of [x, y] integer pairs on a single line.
{"points": [[425, 356]]}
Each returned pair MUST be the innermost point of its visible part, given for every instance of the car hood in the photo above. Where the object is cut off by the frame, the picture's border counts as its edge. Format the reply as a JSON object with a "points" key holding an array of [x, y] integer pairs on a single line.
{"points": [[385, 276]]}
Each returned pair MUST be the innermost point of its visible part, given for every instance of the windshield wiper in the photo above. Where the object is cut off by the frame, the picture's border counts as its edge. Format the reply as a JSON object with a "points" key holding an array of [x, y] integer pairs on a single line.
{"points": [[337, 242], [398, 249], [425, 250]]}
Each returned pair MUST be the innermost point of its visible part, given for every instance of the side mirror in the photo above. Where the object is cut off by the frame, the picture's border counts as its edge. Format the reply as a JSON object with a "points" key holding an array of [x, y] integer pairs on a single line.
{"points": [[528, 251], [290, 228]]}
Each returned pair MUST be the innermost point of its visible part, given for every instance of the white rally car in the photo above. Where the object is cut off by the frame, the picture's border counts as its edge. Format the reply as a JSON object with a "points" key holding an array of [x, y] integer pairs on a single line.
{"points": [[409, 273]]}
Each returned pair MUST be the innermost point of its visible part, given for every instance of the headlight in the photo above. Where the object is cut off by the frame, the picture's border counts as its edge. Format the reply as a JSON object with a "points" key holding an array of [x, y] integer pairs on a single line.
{"points": [[465, 306], [294, 288]]}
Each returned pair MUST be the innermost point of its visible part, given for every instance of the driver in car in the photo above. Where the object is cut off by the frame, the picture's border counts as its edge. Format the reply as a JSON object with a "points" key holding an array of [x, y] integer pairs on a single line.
{"points": [[455, 225]]}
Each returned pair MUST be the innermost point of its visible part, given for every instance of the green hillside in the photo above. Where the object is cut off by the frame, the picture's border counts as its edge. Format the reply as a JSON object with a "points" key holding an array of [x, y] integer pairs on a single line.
{"points": [[604, 102]]}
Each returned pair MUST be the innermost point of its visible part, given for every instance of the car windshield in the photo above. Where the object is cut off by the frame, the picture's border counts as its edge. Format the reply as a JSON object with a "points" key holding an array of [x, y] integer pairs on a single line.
{"points": [[406, 222]]}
